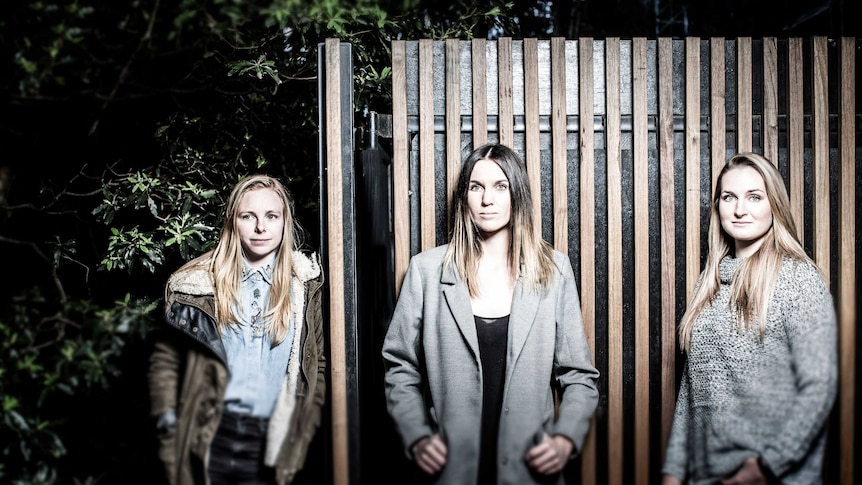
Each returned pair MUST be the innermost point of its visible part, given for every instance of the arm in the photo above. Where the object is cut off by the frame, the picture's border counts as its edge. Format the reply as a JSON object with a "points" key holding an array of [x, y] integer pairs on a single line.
{"points": [[811, 330], [676, 454], [403, 378], [316, 326], [163, 379], [573, 368]]}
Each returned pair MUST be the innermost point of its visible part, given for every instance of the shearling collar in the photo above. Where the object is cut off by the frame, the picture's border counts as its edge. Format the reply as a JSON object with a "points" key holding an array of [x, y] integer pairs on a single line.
{"points": [[198, 280]]}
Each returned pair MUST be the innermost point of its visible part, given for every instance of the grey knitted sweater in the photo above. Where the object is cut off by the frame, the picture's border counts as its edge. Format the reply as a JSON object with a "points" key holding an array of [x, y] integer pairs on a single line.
{"points": [[741, 396]]}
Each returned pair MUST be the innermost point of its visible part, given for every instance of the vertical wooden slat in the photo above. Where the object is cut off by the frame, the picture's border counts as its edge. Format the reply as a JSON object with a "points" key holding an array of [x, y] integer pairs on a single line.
{"points": [[820, 141], [664, 138], [531, 126], [668, 245], [795, 134], [587, 200], [400, 164], [480, 92], [587, 178], [335, 241], [615, 244], [427, 192], [641, 213], [743, 94], [847, 256], [692, 163], [558, 144], [770, 99], [453, 119], [505, 119], [718, 155]]}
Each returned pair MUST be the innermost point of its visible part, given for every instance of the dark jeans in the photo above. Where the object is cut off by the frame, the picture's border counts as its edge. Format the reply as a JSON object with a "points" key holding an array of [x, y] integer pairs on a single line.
{"points": [[236, 453]]}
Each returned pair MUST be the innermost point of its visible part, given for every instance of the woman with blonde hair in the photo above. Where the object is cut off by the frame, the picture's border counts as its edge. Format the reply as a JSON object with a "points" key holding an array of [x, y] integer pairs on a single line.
{"points": [[483, 328], [237, 374], [759, 335]]}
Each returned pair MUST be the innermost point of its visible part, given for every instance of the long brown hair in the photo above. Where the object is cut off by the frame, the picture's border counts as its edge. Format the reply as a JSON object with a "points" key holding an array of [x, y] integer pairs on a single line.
{"points": [[530, 256], [753, 282]]}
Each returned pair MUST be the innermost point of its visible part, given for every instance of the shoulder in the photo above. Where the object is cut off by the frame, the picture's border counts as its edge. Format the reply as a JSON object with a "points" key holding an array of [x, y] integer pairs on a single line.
{"points": [[306, 265], [562, 263], [802, 275], [193, 279], [430, 257]]}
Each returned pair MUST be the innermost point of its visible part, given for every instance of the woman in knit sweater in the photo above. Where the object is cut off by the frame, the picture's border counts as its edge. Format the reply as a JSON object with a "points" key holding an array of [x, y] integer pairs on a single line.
{"points": [[760, 339]]}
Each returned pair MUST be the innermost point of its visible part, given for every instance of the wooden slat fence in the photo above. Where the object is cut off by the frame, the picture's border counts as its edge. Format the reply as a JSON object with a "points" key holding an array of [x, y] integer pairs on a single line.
{"points": [[623, 139]]}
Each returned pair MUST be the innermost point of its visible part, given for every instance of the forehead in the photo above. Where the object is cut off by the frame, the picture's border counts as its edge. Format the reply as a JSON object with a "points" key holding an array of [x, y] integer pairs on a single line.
{"points": [[742, 178], [487, 169], [263, 199]]}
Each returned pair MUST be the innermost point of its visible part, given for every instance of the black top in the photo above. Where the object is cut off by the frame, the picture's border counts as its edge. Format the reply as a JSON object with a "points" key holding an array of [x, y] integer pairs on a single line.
{"points": [[493, 339]]}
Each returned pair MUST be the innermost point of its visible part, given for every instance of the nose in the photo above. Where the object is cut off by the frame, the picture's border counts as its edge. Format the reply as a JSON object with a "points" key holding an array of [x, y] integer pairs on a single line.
{"points": [[259, 226], [740, 210], [487, 197]]}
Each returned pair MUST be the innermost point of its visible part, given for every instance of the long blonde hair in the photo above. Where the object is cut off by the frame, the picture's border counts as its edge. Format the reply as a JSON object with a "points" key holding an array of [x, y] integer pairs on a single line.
{"points": [[753, 282], [225, 261], [530, 256]]}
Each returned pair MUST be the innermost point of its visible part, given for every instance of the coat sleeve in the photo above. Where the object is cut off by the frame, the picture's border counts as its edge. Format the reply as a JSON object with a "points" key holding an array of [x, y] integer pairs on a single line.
{"points": [[573, 367], [316, 303], [676, 454], [163, 377], [163, 383], [402, 362], [812, 331]]}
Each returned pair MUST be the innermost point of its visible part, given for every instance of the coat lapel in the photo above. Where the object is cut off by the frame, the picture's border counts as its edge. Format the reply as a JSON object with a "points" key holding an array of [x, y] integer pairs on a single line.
{"points": [[458, 299], [525, 305]]}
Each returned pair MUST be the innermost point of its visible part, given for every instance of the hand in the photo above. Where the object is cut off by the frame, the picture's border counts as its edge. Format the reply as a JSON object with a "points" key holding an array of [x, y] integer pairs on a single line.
{"points": [[749, 474], [670, 480], [430, 453], [551, 455]]}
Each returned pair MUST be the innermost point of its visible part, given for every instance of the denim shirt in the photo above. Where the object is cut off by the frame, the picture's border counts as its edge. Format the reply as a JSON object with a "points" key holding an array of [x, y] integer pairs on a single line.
{"points": [[257, 371]]}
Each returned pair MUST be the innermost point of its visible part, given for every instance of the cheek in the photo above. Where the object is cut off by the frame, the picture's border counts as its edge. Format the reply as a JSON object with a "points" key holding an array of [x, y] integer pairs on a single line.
{"points": [[766, 212], [243, 228]]}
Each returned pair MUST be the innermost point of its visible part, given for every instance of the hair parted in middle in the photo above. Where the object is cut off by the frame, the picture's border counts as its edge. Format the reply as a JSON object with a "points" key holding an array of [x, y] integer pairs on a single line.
{"points": [[754, 280], [226, 259], [530, 257]]}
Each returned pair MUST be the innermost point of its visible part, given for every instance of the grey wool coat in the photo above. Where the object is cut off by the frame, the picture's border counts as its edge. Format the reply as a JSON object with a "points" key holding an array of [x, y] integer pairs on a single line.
{"points": [[433, 378]]}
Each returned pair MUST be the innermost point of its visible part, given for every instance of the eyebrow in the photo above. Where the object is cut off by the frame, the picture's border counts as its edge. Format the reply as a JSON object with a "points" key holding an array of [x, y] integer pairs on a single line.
{"points": [[749, 191]]}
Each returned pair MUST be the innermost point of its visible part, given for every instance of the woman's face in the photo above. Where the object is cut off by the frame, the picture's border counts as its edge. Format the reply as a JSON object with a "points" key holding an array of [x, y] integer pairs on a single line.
{"points": [[260, 224], [488, 198], [744, 209]]}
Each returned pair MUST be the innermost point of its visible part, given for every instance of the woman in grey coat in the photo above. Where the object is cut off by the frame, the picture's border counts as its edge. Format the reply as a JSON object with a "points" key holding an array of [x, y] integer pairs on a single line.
{"points": [[760, 338], [488, 374]]}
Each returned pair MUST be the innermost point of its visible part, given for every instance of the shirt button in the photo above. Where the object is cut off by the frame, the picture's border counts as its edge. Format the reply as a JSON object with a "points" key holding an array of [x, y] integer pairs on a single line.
{"points": [[183, 322], [194, 329]]}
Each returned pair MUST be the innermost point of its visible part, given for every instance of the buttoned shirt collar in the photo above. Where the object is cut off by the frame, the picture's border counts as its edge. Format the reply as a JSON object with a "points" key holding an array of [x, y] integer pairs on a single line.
{"points": [[265, 269]]}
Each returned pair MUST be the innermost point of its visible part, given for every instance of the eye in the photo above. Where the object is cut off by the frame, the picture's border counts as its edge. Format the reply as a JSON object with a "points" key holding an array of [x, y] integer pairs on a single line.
{"points": [[502, 186], [728, 197], [245, 217], [755, 198], [474, 188], [272, 217]]}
